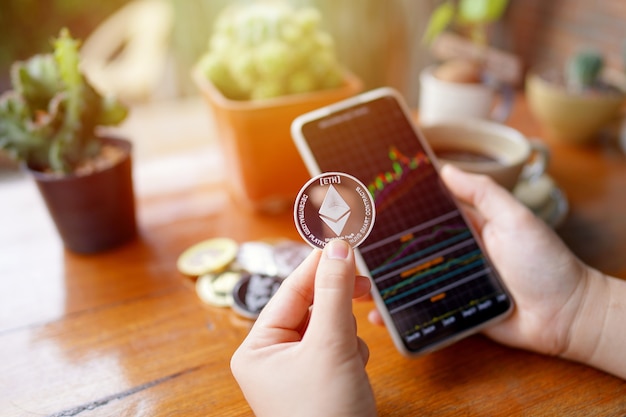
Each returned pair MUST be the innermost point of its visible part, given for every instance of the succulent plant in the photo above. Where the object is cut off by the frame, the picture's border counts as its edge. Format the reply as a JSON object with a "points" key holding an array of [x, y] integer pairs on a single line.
{"points": [[269, 49], [49, 119], [583, 69]]}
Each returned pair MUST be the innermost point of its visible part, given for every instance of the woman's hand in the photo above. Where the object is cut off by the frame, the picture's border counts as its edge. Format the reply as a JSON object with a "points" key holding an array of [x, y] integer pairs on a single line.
{"points": [[303, 356], [546, 280]]}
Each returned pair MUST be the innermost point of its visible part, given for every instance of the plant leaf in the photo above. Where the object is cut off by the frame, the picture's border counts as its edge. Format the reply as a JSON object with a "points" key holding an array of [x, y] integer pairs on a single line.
{"points": [[37, 79], [23, 139], [441, 17], [113, 111], [481, 11], [67, 59]]}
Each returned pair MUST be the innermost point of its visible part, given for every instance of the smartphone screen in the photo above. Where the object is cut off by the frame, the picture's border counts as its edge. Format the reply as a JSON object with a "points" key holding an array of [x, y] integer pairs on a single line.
{"points": [[432, 280]]}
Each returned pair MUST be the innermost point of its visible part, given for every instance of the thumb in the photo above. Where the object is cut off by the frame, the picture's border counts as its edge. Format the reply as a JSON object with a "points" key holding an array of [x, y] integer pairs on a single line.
{"points": [[332, 317]]}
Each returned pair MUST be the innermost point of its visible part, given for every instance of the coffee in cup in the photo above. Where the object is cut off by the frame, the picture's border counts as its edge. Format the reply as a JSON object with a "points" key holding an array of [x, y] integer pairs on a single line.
{"points": [[489, 148]]}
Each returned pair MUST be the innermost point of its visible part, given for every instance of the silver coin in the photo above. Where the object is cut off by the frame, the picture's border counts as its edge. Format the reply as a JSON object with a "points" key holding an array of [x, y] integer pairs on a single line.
{"points": [[334, 205], [257, 258], [253, 292], [288, 255]]}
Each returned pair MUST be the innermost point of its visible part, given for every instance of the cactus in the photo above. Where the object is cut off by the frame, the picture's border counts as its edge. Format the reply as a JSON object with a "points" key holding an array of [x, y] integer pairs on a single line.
{"points": [[583, 69], [49, 118], [265, 50]]}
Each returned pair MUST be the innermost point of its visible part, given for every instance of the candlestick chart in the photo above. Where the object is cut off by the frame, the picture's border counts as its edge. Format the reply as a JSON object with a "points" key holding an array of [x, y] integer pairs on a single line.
{"points": [[432, 281], [424, 259], [432, 271], [387, 186]]}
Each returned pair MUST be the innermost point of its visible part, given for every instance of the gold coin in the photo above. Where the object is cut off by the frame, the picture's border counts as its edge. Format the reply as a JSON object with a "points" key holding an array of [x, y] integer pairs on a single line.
{"points": [[217, 289], [208, 256]]}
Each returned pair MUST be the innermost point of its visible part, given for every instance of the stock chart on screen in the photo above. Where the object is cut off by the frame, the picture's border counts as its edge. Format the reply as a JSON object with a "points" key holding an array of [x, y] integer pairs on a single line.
{"points": [[428, 268]]}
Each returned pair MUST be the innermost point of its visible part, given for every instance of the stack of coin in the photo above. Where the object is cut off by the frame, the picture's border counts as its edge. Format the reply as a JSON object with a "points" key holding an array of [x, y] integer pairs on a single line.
{"points": [[241, 276]]}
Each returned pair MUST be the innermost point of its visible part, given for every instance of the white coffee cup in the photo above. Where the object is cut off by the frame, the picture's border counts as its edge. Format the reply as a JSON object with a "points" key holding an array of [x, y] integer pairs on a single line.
{"points": [[441, 99], [487, 147]]}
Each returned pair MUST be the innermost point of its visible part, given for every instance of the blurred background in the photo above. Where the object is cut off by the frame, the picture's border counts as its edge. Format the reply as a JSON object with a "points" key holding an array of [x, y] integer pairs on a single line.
{"points": [[375, 39], [27, 26], [379, 41]]}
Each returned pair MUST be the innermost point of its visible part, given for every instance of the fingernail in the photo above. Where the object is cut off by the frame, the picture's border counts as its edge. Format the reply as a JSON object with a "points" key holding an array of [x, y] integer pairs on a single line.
{"points": [[337, 249]]}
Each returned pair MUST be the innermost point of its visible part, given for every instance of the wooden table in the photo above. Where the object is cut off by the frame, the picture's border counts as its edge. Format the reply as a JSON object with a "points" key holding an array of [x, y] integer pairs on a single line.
{"points": [[123, 332]]}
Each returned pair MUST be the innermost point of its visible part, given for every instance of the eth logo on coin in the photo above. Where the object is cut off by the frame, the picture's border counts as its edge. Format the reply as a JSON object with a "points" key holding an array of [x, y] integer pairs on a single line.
{"points": [[334, 205]]}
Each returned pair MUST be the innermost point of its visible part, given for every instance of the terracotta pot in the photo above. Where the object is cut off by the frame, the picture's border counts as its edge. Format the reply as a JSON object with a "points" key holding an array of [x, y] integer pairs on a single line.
{"points": [[92, 212], [570, 117], [264, 169]]}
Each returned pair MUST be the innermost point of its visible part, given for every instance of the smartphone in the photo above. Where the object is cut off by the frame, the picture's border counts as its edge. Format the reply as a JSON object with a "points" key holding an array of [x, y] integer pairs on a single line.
{"points": [[432, 281]]}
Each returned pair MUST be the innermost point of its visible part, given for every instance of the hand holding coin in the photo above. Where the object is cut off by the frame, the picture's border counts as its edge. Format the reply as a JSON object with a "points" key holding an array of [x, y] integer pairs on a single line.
{"points": [[334, 205]]}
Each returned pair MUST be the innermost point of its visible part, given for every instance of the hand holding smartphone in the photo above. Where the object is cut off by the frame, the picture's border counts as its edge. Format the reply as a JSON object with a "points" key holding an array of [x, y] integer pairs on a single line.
{"points": [[432, 281]]}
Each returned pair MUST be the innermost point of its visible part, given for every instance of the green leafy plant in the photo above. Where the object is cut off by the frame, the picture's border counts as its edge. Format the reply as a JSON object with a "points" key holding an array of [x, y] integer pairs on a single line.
{"points": [[49, 119], [472, 16], [471, 19], [269, 49]]}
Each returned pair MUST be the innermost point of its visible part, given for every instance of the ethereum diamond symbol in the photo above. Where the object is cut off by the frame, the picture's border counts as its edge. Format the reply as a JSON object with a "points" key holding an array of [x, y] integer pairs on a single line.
{"points": [[334, 211]]}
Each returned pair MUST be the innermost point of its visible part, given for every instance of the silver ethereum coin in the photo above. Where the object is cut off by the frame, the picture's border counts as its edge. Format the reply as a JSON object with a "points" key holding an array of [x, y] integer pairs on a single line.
{"points": [[334, 205], [288, 255], [257, 258], [253, 292]]}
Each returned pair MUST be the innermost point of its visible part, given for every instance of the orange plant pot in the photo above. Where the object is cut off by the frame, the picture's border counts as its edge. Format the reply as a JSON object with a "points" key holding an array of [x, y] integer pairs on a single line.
{"points": [[265, 170]]}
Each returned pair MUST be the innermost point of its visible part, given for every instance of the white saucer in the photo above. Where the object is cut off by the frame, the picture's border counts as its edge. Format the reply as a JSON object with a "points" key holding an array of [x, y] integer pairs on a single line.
{"points": [[544, 198]]}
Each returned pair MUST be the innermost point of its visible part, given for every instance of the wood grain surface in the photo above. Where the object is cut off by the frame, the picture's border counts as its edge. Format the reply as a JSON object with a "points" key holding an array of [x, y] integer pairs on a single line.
{"points": [[123, 333]]}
